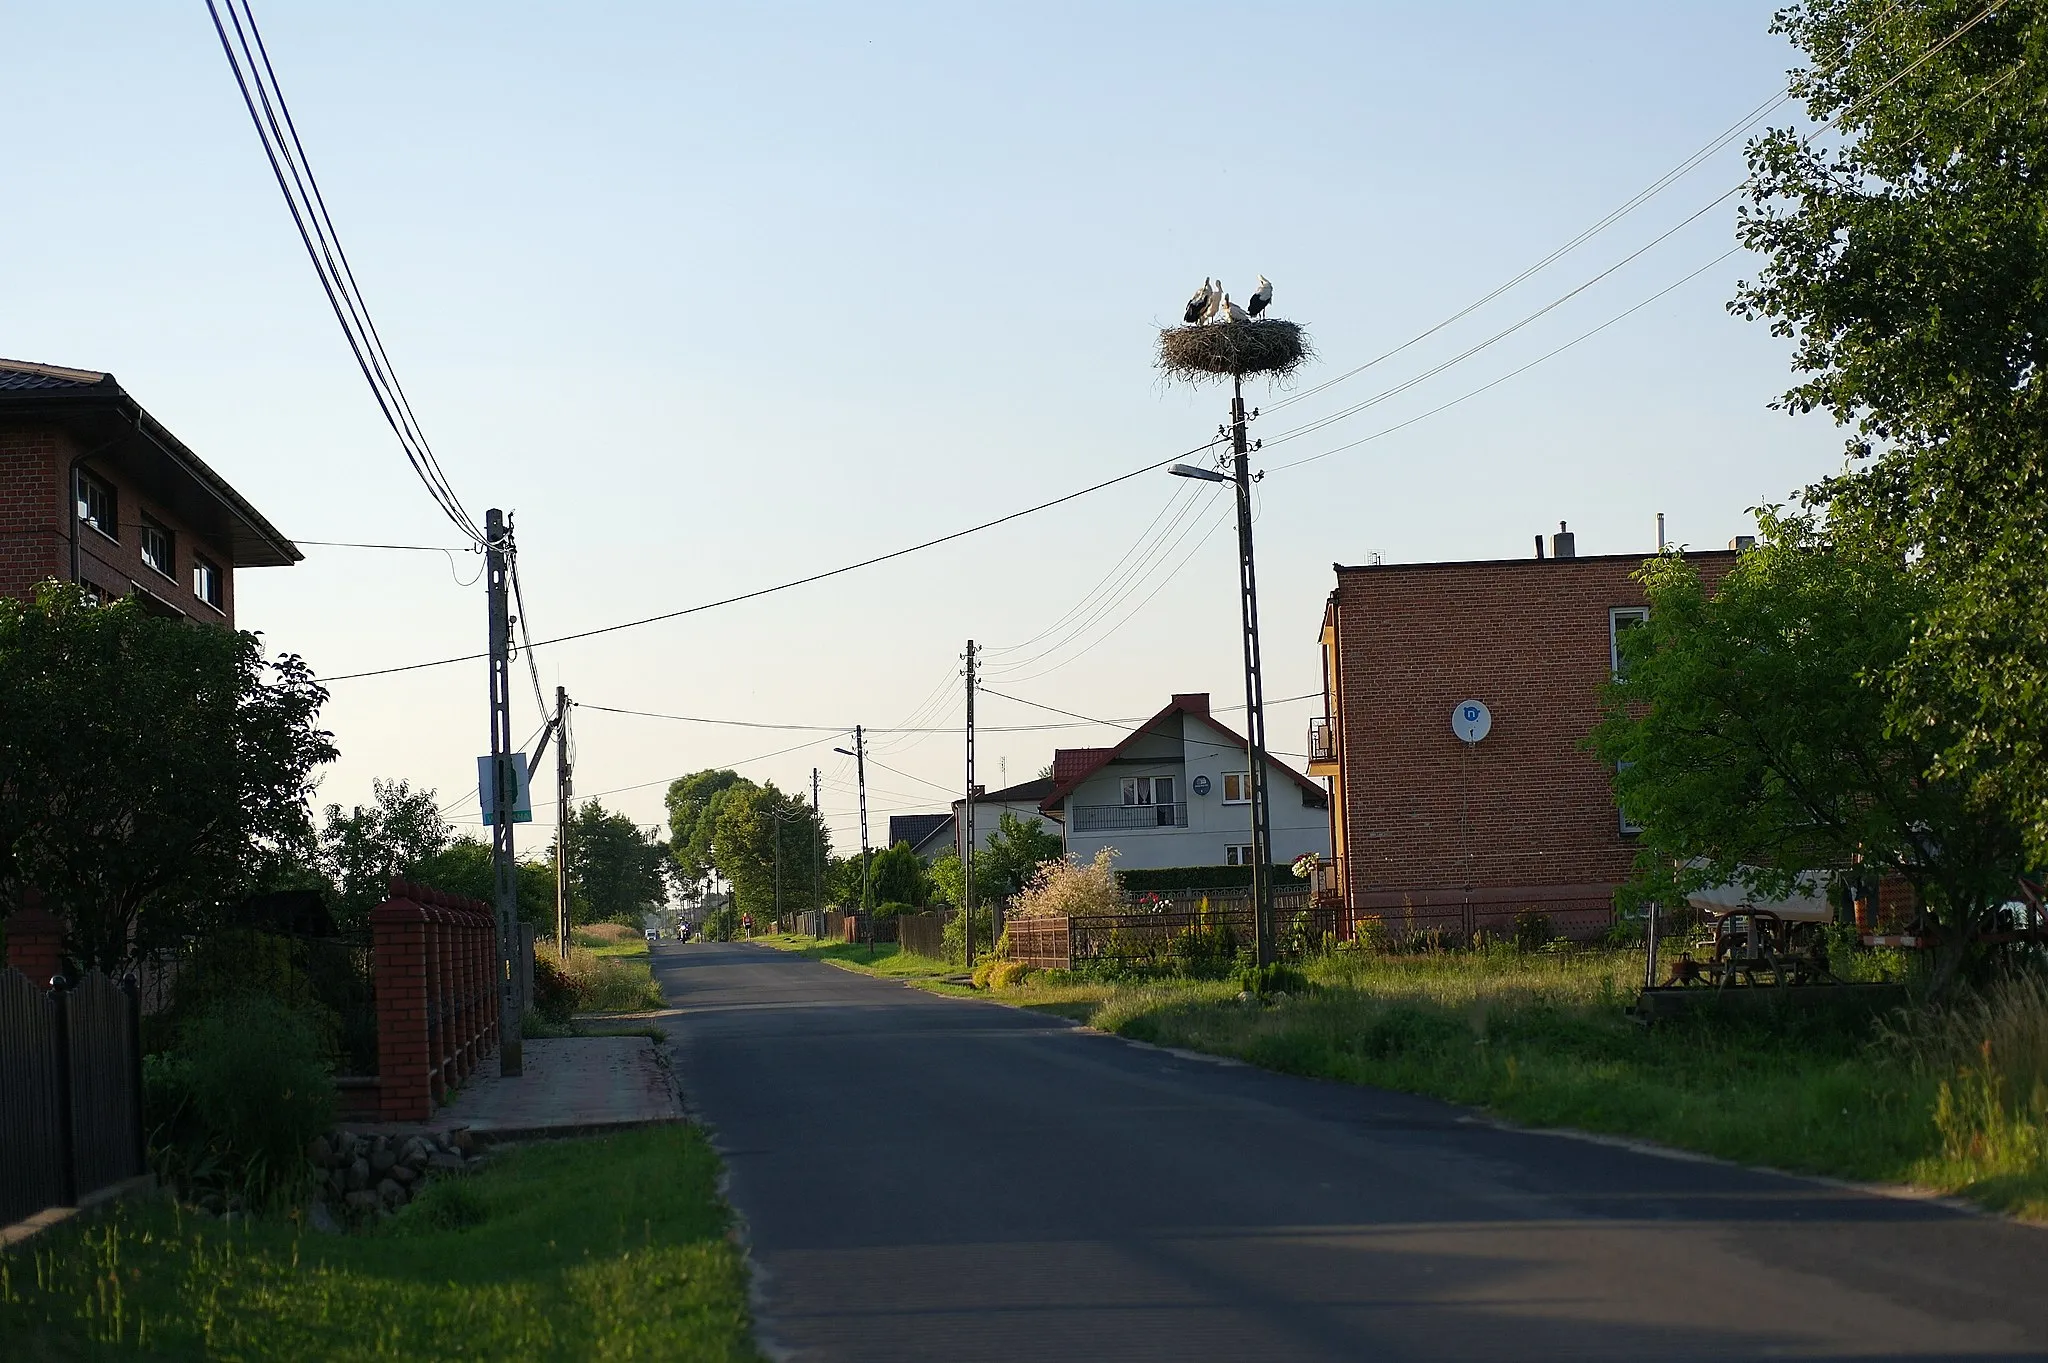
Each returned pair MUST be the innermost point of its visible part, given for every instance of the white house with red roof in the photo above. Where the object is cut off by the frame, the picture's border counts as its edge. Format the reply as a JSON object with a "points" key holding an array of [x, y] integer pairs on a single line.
{"points": [[1175, 793]]}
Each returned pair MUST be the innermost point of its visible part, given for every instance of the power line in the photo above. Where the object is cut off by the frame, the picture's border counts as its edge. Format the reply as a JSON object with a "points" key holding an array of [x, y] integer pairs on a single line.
{"points": [[794, 582], [257, 80], [1140, 728]]}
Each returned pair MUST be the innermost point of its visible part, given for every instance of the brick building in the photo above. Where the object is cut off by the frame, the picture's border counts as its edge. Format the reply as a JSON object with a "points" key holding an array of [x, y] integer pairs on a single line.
{"points": [[94, 490], [1429, 831]]}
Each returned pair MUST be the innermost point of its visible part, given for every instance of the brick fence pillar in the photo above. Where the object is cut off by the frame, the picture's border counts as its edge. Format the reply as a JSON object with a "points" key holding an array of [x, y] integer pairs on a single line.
{"points": [[399, 930], [35, 940]]}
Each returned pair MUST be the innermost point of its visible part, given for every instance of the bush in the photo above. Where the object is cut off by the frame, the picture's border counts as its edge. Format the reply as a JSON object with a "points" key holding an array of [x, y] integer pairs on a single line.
{"points": [[1532, 930], [1063, 889], [954, 942], [1265, 981], [556, 993], [995, 973], [1170, 880], [1205, 952], [250, 1087]]}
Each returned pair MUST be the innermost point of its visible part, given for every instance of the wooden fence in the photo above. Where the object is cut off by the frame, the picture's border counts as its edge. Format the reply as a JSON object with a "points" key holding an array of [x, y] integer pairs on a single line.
{"points": [[1198, 936], [70, 1090], [922, 934]]}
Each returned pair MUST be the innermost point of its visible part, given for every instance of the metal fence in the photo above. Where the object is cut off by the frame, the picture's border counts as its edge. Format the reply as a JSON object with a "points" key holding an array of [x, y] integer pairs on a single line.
{"points": [[70, 1091]]}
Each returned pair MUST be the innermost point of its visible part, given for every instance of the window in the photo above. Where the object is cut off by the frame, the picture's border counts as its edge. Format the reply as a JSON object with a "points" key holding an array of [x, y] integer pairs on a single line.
{"points": [[1620, 620], [1629, 827], [1148, 790], [1237, 788], [97, 505], [206, 582], [1238, 854], [1154, 792], [156, 546]]}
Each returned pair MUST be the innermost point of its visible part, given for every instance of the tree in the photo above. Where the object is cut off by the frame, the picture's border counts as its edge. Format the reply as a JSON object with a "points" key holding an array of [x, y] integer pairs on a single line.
{"points": [[361, 850], [616, 869], [1749, 733], [1907, 262], [1018, 849], [748, 822], [693, 802], [465, 867], [899, 877], [150, 769], [1064, 888], [949, 882]]}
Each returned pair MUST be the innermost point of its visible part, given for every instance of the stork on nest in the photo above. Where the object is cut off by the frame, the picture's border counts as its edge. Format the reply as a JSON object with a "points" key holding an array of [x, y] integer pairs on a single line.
{"points": [[1234, 349]]}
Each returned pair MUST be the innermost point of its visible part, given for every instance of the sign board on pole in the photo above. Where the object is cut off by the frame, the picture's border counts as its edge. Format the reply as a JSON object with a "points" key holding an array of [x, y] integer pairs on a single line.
{"points": [[520, 797]]}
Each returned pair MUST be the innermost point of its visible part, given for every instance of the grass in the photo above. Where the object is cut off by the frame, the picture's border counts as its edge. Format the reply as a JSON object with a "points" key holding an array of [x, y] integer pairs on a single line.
{"points": [[611, 1248], [611, 962], [1954, 1101], [887, 959]]}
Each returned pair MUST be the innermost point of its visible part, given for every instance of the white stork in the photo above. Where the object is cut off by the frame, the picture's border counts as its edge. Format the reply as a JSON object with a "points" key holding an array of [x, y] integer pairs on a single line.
{"points": [[1262, 297], [1202, 304], [1233, 312]]}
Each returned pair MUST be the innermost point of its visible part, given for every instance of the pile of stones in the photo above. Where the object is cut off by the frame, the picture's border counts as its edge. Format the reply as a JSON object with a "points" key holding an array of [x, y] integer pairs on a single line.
{"points": [[366, 1176]]}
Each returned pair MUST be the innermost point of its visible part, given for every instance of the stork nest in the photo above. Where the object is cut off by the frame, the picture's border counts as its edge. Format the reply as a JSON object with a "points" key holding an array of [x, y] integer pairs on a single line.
{"points": [[1213, 350]]}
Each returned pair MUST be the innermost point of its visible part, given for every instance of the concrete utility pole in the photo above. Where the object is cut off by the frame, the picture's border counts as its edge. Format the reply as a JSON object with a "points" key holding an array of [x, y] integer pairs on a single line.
{"points": [[817, 861], [776, 815], [967, 824], [504, 792], [1254, 688], [564, 788], [859, 753]]}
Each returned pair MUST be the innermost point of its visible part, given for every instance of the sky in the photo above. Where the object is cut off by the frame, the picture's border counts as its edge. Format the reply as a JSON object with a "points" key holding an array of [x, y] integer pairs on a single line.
{"points": [[713, 297]]}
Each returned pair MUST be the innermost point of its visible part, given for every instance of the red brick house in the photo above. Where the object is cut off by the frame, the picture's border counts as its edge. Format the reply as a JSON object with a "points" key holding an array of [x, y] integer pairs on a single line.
{"points": [[94, 490], [1429, 831]]}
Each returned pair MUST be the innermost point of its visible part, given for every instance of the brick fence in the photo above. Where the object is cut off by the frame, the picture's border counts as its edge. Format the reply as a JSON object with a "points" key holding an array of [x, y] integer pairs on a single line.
{"points": [[437, 1004]]}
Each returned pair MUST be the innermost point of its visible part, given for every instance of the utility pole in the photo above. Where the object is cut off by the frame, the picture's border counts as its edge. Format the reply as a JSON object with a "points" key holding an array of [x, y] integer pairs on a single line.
{"points": [[564, 789], [1254, 688], [967, 824], [859, 753], [817, 861], [776, 814], [504, 791]]}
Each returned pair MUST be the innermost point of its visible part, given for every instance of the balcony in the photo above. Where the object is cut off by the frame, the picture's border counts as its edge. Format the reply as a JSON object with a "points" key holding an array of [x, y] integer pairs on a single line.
{"points": [[1121, 818], [1322, 748]]}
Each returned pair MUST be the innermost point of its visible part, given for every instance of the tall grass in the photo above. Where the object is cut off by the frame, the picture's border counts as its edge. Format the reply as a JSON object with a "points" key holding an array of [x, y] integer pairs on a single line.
{"points": [[1988, 1054], [610, 965]]}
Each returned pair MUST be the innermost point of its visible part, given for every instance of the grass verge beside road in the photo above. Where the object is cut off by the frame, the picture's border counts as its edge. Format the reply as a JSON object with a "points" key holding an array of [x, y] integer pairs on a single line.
{"points": [[885, 959], [611, 963], [609, 1248], [1542, 1038]]}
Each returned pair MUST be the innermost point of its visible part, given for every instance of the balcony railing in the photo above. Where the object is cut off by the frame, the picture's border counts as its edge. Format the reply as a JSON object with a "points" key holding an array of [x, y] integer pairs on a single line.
{"points": [[1322, 741], [1118, 818]]}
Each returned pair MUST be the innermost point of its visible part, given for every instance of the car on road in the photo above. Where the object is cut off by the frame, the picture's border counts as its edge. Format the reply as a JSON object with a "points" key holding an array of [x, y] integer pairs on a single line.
{"points": [[653, 935]]}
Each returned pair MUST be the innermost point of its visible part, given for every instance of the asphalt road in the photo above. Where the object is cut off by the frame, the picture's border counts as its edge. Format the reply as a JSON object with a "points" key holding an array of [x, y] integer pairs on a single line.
{"points": [[944, 1179]]}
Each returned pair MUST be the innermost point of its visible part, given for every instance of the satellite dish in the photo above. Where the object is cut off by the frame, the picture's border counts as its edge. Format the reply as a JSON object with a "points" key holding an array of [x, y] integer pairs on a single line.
{"points": [[1471, 720]]}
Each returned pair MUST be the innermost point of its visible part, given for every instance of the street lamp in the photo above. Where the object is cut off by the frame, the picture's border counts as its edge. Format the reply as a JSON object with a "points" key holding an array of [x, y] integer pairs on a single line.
{"points": [[1254, 675]]}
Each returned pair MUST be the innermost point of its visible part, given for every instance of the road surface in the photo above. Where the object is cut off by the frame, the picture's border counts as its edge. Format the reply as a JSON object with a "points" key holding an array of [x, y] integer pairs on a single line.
{"points": [[926, 1178]]}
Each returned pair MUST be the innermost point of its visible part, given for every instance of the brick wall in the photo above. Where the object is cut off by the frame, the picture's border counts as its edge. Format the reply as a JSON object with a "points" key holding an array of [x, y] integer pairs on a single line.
{"points": [[34, 530], [1441, 835], [32, 546]]}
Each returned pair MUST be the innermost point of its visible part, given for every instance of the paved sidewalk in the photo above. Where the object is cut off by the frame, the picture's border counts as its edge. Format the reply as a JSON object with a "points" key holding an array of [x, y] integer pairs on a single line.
{"points": [[572, 1086]]}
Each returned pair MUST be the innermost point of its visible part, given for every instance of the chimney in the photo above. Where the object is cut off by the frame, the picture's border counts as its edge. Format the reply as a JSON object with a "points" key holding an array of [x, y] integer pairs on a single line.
{"points": [[1564, 544], [1742, 542], [1539, 546], [1196, 702], [1660, 532]]}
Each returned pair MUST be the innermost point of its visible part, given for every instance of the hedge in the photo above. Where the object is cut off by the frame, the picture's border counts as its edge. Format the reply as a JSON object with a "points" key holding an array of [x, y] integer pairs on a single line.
{"points": [[1170, 879]]}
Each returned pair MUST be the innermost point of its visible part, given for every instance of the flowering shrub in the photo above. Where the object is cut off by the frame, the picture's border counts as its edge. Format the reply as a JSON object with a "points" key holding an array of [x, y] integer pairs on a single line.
{"points": [[1064, 888]]}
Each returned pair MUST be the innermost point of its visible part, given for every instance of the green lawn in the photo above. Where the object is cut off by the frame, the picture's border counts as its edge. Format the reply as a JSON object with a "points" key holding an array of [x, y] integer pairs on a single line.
{"points": [[610, 1248]]}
